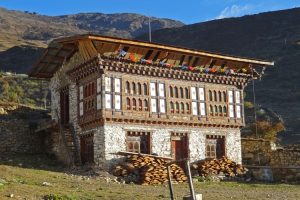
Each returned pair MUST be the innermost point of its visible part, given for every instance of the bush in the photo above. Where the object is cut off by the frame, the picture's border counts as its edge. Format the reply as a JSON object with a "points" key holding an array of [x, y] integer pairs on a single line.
{"points": [[248, 105], [267, 129]]}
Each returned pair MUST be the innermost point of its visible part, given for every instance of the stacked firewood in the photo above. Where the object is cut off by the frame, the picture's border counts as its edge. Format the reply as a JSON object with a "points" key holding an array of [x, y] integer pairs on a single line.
{"points": [[148, 170], [219, 166]]}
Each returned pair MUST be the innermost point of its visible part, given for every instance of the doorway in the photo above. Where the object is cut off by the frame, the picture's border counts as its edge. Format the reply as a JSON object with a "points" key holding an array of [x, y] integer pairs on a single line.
{"points": [[87, 149], [64, 106], [179, 146]]}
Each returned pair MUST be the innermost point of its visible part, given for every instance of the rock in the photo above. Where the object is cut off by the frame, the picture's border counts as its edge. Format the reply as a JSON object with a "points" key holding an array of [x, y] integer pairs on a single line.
{"points": [[11, 195], [46, 184], [2, 111]]}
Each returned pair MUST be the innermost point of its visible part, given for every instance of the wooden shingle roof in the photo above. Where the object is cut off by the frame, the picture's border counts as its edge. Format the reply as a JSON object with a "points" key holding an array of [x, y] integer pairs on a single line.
{"points": [[90, 45]]}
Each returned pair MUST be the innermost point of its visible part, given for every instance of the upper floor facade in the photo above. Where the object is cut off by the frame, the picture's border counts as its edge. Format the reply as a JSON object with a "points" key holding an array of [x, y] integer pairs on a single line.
{"points": [[127, 81]]}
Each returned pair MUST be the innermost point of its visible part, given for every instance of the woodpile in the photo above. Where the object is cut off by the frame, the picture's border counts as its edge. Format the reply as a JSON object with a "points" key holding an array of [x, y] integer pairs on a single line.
{"points": [[148, 170], [219, 166]]}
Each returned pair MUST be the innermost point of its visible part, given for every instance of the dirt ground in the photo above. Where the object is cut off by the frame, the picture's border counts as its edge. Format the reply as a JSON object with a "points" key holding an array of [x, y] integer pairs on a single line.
{"points": [[29, 178]]}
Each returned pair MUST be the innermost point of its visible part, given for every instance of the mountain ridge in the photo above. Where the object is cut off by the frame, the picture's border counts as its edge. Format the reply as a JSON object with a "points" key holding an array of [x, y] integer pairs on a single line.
{"points": [[270, 36]]}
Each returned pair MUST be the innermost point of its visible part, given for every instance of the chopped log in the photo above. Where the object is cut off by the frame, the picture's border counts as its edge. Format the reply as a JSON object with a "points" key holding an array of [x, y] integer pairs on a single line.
{"points": [[150, 170]]}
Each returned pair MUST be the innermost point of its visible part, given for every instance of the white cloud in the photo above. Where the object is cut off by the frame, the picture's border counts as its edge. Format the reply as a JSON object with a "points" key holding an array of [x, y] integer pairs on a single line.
{"points": [[234, 11]]}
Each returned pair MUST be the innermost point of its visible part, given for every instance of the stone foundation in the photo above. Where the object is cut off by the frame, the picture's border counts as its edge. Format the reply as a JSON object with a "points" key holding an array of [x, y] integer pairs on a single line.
{"points": [[110, 139]]}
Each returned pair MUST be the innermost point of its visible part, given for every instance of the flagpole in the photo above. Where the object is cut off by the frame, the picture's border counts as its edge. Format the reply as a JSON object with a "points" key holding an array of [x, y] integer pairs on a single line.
{"points": [[149, 23]]}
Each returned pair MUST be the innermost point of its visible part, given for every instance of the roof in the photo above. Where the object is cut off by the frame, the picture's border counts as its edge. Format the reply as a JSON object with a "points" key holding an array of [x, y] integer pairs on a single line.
{"points": [[63, 48]]}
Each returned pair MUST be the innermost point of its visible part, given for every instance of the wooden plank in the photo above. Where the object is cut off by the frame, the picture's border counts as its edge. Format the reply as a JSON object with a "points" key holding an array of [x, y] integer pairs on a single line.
{"points": [[126, 153]]}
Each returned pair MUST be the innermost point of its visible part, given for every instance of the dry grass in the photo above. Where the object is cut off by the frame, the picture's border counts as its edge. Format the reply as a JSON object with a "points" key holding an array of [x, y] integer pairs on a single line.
{"points": [[26, 183]]}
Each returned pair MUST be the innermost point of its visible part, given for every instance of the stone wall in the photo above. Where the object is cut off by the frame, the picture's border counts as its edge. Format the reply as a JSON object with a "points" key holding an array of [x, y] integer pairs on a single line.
{"points": [[111, 138], [270, 163], [17, 130]]}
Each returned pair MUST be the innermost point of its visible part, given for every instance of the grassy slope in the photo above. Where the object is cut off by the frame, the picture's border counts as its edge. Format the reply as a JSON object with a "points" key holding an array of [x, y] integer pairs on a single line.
{"points": [[27, 183]]}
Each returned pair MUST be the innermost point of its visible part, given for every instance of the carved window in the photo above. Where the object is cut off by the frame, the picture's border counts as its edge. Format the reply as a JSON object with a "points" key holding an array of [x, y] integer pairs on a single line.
{"points": [[224, 97], [161, 90], [225, 111], [230, 96], [171, 91], [127, 89], [117, 85], [138, 142], [210, 95], [146, 105], [220, 96], [211, 148], [186, 93], [238, 111], [117, 102], [172, 107], [177, 107], [153, 89], [139, 89], [202, 109], [216, 110], [107, 84], [215, 96], [145, 89], [88, 98], [211, 112], [194, 108], [187, 108], [108, 101], [140, 105], [128, 104], [182, 108], [133, 89], [220, 110], [215, 146], [193, 93], [201, 94], [133, 104], [237, 97], [154, 105], [231, 111]]}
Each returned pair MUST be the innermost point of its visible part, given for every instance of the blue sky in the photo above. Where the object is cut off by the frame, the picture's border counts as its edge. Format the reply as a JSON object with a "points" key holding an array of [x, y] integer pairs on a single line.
{"points": [[187, 11]]}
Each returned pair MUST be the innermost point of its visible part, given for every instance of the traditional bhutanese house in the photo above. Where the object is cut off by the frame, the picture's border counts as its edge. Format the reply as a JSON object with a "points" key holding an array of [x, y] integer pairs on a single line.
{"points": [[126, 95]]}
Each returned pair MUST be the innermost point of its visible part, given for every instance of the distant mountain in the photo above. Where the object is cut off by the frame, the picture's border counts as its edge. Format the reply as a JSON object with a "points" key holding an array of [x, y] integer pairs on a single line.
{"points": [[270, 36], [32, 30]]}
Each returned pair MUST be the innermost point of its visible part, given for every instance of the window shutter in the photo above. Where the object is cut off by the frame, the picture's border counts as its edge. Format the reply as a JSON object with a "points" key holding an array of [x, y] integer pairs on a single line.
{"points": [[99, 102], [80, 92], [117, 102], [201, 94], [231, 111], [237, 97], [194, 108], [162, 106], [230, 96], [108, 101], [161, 89], [202, 109], [153, 105], [107, 84], [238, 112], [98, 85], [193, 93], [153, 89], [81, 108], [117, 84]]}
